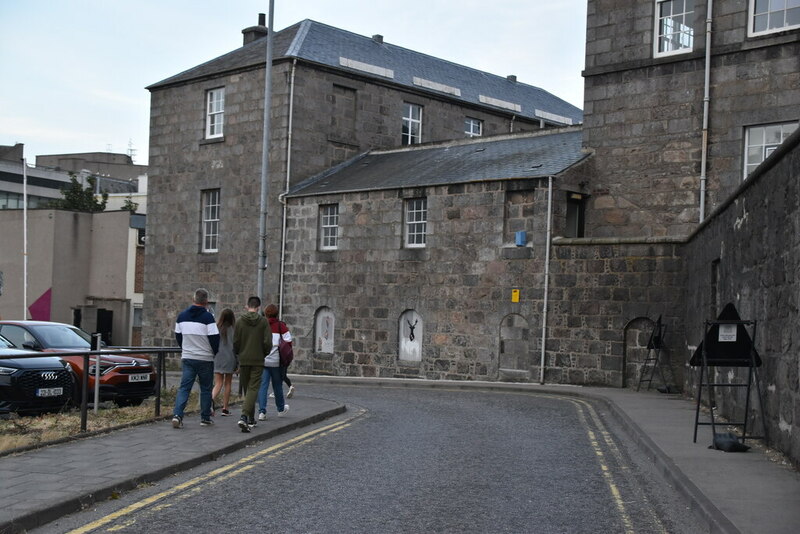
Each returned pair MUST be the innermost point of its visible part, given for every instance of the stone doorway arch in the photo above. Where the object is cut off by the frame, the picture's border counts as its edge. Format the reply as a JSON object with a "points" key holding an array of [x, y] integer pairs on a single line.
{"points": [[634, 348], [515, 358]]}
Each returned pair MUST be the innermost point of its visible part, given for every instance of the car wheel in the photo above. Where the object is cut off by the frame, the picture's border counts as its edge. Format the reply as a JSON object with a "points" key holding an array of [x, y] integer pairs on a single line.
{"points": [[122, 403]]}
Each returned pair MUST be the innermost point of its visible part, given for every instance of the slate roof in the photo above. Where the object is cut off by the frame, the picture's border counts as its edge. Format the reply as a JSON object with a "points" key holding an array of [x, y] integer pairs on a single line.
{"points": [[322, 44], [536, 155]]}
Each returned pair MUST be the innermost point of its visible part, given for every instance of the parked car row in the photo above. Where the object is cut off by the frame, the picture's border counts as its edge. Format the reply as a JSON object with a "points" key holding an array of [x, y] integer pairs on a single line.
{"points": [[33, 385], [41, 384]]}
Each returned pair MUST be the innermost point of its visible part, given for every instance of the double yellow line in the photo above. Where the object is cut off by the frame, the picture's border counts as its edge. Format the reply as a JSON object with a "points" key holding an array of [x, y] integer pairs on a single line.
{"points": [[217, 475], [608, 443]]}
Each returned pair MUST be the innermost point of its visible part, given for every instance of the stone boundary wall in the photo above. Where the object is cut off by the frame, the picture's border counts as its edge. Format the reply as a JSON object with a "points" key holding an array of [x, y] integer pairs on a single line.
{"points": [[599, 289], [748, 253], [461, 286]]}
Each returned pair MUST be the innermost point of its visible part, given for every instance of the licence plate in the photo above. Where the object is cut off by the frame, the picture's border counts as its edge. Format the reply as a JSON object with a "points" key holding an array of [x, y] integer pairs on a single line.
{"points": [[49, 392], [145, 377]]}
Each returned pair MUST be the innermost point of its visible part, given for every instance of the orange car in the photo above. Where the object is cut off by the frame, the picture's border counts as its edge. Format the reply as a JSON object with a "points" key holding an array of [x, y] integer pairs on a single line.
{"points": [[126, 380]]}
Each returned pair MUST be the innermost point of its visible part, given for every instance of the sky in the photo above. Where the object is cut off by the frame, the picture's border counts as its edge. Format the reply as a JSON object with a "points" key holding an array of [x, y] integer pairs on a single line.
{"points": [[75, 71]]}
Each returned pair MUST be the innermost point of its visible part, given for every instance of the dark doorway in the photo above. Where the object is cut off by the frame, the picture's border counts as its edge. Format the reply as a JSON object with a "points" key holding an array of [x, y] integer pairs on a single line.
{"points": [[105, 322], [575, 214]]}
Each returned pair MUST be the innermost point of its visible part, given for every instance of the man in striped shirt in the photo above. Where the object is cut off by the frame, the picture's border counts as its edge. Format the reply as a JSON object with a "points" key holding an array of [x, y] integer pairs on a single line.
{"points": [[198, 337]]}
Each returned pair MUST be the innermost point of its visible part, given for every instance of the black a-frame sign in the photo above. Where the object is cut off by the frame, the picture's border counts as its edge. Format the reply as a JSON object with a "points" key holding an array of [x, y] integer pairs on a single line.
{"points": [[728, 342]]}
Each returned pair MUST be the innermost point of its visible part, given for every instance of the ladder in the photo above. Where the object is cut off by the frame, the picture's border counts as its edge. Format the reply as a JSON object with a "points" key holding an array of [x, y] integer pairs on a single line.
{"points": [[653, 362]]}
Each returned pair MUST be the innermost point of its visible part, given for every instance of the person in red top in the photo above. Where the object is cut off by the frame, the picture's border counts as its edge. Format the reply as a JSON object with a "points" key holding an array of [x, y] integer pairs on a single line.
{"points": [[274, 372]]}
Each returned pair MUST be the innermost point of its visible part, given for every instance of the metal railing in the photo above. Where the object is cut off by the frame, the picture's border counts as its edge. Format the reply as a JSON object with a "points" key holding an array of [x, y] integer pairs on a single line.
{"points": [[131, 352]]}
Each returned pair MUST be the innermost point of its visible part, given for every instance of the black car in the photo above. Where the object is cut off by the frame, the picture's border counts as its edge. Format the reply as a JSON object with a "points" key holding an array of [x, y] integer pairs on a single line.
{"points": [[33, 385]]}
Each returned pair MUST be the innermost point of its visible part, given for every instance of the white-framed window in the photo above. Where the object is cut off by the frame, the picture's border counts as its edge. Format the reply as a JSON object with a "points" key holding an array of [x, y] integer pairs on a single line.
{"points": [[416, 223], [674, 27], [769, 16], [210, 224], [329, 227], [215, 112], [412, 124], [762, 140], [473, 127]]}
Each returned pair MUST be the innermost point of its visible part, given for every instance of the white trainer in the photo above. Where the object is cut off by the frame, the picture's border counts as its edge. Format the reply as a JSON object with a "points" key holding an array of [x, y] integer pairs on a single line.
{"points": [[285, 409]]}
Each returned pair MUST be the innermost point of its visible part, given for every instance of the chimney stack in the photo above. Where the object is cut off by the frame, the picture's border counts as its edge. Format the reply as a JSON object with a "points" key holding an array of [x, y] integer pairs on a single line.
{"points": [[512, 78], [255, 32], [378, 38]]}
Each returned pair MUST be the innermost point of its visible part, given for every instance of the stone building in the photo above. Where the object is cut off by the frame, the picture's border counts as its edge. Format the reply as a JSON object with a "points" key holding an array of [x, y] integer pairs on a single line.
{"points": [[679, 110], [627, 246], [335, 94], [542, 255], [435, 271]]}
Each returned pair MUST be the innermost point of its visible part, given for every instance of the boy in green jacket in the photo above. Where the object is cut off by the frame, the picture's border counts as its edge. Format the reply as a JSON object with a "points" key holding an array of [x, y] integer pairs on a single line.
{"points": [[252, 340]]}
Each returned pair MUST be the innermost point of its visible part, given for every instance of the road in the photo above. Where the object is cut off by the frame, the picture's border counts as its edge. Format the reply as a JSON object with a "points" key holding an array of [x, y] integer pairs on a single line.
{"points": [[412, 459]]}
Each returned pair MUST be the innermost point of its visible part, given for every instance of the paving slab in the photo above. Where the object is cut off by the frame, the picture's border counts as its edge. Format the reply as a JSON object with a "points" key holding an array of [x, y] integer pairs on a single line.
{"points": [[37, 488]]}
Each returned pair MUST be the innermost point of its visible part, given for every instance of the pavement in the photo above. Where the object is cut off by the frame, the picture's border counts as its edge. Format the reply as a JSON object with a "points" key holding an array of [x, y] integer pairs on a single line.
{"points": [[747, 492]]}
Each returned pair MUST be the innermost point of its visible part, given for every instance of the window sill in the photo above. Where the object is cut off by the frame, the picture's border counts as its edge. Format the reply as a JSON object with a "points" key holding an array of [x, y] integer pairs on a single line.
{"points": [[212, 141], [327, 256], [516, 253], [208, 257], [414, 254]]}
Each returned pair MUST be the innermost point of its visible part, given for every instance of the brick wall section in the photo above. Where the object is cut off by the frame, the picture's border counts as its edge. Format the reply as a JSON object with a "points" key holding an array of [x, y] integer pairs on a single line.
{"points": [[755, 242], [643, 115], [138, 275]]}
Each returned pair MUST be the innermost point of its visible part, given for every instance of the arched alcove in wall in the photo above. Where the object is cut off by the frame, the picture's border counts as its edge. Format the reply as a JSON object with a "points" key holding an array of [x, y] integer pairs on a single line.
{"points": [[634, 348], [324, 330], [515, 351], [410, 329]]}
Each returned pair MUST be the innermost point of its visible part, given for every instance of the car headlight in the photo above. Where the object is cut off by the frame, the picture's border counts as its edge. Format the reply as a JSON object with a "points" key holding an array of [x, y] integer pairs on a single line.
{"points": [[104, 368], [5, 371]]}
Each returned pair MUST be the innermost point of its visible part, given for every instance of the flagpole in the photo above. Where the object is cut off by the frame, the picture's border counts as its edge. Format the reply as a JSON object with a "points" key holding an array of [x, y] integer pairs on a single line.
{"points": [[24, 238]]}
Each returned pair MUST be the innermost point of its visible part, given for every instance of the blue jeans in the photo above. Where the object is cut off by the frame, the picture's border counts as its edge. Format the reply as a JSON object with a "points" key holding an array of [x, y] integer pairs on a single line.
{"points": [[204, 372], [271, 375]]}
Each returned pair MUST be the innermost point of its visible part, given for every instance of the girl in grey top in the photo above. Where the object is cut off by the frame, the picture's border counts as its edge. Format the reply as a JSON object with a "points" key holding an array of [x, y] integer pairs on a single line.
{"points": [[225, 363]]}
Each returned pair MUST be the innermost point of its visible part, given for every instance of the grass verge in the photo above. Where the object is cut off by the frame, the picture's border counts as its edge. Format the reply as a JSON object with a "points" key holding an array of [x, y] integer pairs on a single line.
{"points": [[35, 431]]}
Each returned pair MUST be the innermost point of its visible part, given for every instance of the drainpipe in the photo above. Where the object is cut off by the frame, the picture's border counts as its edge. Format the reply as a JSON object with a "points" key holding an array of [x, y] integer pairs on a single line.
{"points": [[706, 100], [282, 196], [546, 274], [511, 124]]}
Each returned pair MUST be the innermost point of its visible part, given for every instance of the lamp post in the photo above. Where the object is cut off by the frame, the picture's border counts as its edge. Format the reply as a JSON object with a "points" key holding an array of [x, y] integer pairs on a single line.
{"points": [[24, 238], [262, 222]]}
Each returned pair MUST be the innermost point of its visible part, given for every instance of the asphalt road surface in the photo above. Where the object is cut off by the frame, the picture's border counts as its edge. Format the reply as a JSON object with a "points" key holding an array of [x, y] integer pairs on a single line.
{"points": [[412, 459]]}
